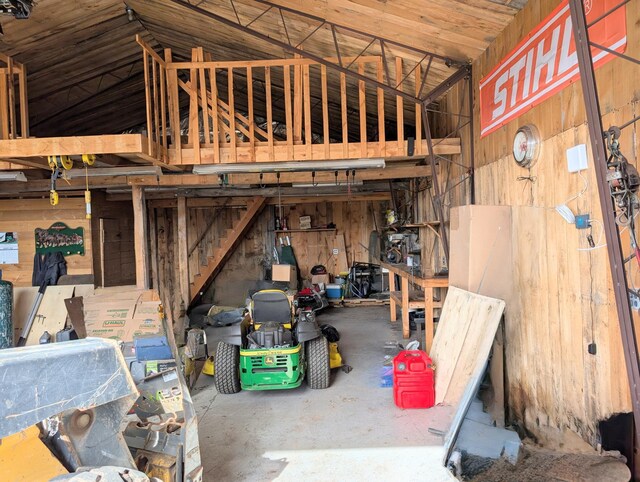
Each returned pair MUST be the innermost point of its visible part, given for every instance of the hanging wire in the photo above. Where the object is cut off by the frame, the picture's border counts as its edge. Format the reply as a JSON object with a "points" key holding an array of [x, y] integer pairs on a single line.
{"points": [[313, 179], [262, 184]]}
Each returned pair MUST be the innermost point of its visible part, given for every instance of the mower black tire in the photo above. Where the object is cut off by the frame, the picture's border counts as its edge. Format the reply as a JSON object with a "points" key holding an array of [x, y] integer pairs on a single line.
{"points": [[318, 369], [227, 368]]}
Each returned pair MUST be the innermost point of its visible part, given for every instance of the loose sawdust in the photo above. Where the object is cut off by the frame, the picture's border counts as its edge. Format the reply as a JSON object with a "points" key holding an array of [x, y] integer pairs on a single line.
{"points": [[538, 465]]}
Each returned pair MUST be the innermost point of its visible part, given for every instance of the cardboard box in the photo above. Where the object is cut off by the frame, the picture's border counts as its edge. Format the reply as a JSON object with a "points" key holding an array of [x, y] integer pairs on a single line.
{"points": [[284, 272], [123, 319], [481, 257], [305, 222], [317, 279]]}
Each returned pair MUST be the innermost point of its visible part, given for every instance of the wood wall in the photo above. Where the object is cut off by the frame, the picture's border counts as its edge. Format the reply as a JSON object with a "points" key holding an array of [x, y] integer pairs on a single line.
{"points": [[25, 215], [248, 263], [114, 242], [563, 297], [353, 220]]}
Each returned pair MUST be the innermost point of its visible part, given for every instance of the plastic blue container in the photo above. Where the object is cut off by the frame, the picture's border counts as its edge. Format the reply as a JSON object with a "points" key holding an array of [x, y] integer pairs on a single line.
{"points": [[334, 291]]}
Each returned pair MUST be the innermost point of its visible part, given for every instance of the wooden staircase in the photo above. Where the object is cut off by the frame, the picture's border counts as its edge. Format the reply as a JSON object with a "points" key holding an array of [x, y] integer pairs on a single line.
{"points": [[227, 244]]}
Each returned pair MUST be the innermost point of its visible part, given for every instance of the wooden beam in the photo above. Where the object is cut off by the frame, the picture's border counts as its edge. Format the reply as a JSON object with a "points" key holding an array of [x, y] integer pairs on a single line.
{"points": [[183, 250], [241, 201], [194, 180], [153, 242], [140, 238], [337, 151]]}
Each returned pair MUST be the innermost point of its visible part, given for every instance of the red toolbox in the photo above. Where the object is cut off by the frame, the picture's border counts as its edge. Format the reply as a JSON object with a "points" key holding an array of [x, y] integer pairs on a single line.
{"points": [[413, 382]]}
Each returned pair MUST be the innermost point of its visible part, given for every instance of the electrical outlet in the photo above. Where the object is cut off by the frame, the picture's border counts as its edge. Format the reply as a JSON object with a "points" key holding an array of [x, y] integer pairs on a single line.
{"points": [[582, 221]]}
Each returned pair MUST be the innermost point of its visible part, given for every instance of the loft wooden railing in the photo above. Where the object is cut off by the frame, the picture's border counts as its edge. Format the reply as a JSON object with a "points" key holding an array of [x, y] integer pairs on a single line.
{"points": [[207, 112], [158, 101], [14, 113]]}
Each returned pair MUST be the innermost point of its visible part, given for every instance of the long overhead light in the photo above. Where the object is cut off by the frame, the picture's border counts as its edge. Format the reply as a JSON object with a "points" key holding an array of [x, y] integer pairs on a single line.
{"points": [[13, 176], [297, 166], [114, 171]]}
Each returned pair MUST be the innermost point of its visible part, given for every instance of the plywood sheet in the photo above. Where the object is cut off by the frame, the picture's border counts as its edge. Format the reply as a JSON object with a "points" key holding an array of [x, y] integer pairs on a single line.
{"points": [[52, 314], [23, 299], [463, 341]]}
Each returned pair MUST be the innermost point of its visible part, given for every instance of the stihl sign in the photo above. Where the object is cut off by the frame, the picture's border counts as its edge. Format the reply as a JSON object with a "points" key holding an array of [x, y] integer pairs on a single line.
{"points": [[545, 62]]}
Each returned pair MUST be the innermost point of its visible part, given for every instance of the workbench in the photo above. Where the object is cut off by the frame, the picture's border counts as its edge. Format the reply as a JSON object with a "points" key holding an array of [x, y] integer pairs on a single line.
{"points": [[413, 299]]}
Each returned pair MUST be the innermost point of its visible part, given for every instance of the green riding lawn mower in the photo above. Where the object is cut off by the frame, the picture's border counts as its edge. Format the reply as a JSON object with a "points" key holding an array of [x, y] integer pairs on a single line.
{"points": [[272, 349]]}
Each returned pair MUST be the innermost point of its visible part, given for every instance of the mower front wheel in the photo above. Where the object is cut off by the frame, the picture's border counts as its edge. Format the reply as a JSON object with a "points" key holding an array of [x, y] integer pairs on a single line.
{"points": [[227, 368], [318, 369]]}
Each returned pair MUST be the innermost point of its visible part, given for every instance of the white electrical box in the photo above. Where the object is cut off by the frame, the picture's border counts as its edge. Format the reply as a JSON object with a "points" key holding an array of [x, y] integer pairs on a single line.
{"points": [[577, 158]]}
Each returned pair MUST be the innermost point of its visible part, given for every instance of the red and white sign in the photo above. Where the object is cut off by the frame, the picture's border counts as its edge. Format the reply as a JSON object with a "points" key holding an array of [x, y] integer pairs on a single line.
{"points": [[545, 62]]}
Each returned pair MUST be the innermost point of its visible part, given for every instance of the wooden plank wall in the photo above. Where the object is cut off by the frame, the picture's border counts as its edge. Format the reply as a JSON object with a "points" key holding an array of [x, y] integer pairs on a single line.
{"points": [[25, 215], [119, 246], [353, 219], [563, 296]]}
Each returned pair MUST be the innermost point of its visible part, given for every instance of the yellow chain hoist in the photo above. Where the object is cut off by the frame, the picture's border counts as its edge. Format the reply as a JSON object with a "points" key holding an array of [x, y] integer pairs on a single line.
{"points": [[87, 160], [57, 164]]}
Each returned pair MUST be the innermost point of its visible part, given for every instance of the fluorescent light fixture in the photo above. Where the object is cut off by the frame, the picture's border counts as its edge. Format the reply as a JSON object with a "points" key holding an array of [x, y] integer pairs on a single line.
{"points": [[114, 171], [12, 176], [297, 166], [341, 183]]}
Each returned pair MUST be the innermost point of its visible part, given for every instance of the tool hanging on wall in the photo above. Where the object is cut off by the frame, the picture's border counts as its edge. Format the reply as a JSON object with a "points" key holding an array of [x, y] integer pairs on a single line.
{"points": [[57, 165], [87, 160], [623, 179]]}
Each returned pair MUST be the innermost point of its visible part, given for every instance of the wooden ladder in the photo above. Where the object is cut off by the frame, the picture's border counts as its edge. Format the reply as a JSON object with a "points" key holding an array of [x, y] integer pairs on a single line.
{"points": [[227, 245]]}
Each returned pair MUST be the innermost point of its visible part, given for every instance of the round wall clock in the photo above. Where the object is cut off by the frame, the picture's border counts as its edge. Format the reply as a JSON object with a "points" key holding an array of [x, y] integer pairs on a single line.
{"points": [[526, 146]]}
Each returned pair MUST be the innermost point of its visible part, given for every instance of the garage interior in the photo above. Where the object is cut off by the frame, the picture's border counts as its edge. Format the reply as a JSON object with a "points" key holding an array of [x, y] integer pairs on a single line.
{"points": [[275, 240]]}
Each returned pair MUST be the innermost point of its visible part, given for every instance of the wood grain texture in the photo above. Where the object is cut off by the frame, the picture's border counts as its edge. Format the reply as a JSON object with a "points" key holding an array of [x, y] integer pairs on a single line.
{"points": [[462, 344], [23, 216]]}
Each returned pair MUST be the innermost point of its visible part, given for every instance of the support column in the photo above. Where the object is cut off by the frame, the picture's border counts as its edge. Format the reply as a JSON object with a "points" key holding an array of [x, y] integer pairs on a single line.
{"points": [[140, 237], [612, 234], [183, 252]]}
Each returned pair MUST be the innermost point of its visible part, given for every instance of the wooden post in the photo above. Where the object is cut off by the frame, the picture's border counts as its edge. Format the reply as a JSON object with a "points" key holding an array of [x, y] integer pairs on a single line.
{"points": [[428, 318], [251, 115], [183, 251], [405, 308], [392, 302], [308, 135], [297, 102], [287, 109], [24, 103], [12, 101], [399, 108], [4, 106], [345, 122], [232, 116], [325, 112], [174, 106], [153, 241], [194, 123], [268, 102], [214, 115], [418, 82], [363, 112], [381, 133], [140, 237]]}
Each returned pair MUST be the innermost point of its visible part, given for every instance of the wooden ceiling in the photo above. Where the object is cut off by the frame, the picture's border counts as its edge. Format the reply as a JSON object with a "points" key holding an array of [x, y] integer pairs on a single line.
{"points": [[85, 69]]}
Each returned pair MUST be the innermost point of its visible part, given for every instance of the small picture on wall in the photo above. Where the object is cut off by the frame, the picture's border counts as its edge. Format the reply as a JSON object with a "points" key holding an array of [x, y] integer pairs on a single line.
{"points": [[8, 247]]}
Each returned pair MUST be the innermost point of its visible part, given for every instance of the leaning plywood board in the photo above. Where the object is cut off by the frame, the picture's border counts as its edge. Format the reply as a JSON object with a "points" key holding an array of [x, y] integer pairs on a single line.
{"points": [[23, 298], [461, 347], [52, 314]]}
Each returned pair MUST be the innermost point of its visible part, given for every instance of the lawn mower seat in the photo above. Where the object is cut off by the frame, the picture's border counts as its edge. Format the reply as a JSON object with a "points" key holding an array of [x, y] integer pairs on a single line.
{"points": [[271, 306]]}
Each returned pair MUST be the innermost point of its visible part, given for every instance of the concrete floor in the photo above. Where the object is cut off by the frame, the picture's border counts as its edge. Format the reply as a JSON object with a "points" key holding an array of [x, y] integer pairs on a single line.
{"points": [[350, 431]]}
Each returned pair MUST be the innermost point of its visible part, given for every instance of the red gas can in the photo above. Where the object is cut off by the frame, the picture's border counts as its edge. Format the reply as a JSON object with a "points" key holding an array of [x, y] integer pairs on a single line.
{"points": [[413, 382]]}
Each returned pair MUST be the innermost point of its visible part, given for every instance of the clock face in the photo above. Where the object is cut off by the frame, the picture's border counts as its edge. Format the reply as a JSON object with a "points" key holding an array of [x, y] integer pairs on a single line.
{"points": [[520, 146], [525, 146]]}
